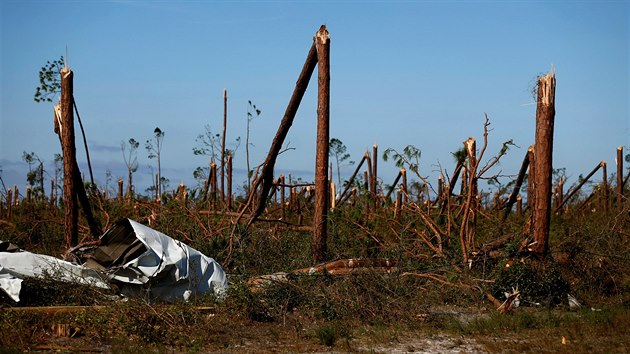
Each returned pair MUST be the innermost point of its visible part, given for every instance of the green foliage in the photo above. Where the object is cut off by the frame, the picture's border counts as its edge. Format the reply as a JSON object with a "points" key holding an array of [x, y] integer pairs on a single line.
{"points": [[409, 157], [35, 176], [251, 109], [460, 155], [339, 152], [49, 81], [155, 150], [209, 144], [327, 335], [538, 282]]}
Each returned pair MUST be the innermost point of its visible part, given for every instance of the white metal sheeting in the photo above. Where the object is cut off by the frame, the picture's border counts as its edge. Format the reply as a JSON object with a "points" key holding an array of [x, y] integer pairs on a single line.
{"points": [[15, 266], [137, 258]]}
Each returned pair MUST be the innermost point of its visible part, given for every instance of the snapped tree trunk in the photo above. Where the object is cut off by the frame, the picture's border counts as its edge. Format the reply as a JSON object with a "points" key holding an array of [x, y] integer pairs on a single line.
{"points": [[349, 183], [620, 179], [223, 145], [545, 114], [517, 186], [87, 151], [320, 231], [577, 188], [375, 175], [266, 176], [229, 182], [604, 187], [66, 134]]}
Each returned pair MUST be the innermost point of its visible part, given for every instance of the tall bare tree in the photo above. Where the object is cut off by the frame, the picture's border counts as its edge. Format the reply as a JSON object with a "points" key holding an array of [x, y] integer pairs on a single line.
{"points": [[129, 151]]}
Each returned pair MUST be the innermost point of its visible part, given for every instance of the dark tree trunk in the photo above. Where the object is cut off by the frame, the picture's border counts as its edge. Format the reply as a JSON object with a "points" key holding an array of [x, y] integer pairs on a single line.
{"points": [[347, 188], [87, 151], [577, 188], [517, 186], [266, 176]]}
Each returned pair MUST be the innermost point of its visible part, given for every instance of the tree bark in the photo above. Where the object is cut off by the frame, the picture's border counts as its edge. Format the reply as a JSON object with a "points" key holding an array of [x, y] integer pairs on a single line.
{"points": [[356, 170], [120, 189], [374, 183], [517, 186], [577, 188], [87, 151], [66, 134], [543, 161], [604, 186], [393, 186], [229, 182], [531, 195], [266, 176], [620, 179], [320, 233], [223, 146]]}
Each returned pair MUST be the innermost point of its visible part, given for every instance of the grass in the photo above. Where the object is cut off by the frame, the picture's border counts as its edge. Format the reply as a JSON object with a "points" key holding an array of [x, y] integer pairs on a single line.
{"points": [[589, 258]]}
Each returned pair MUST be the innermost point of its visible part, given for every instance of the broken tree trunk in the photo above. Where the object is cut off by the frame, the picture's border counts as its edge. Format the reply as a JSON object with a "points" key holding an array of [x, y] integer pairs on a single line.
{"points": [[320, 232], [517, 186], [375, 174], [229, 182], [66, 134], [368, 180], [87, 151], [545, 114], [120, 189], [223, 147], [282, 195], [393, 186], [577, 188], [349, 184], [531, 152], [469, 223], [559, 194], [620, 179], [9, 203], [266, 176], [604, 187], [404, 184], [451, 186]]}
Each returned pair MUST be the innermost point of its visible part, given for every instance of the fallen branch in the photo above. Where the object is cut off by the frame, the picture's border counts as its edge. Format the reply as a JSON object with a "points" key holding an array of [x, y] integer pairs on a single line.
{"points": [[339, 267]]}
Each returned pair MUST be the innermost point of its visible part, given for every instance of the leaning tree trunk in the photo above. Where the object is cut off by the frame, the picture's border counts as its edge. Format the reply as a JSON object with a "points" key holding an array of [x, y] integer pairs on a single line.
{"points": [[517, 187], [545, 114], [87, 151], [320, 231], [266, 177]]}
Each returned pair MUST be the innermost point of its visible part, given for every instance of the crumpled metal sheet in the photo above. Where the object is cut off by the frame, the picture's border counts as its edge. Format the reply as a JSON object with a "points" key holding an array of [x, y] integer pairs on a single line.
{"points": [[167, 268], [137, 258], [17, 265]]}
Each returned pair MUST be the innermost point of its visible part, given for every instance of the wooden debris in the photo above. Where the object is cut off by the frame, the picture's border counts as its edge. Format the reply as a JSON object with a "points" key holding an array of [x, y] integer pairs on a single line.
{"points": [[511, 301]]}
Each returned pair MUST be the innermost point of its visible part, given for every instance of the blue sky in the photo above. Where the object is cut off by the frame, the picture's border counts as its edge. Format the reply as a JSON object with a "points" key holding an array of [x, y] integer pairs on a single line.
{"points": [[402, 72]]}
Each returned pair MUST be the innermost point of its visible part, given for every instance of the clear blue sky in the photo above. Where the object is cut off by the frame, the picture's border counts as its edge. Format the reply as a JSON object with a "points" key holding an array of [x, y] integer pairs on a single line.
{"points": [[402, 72]]}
